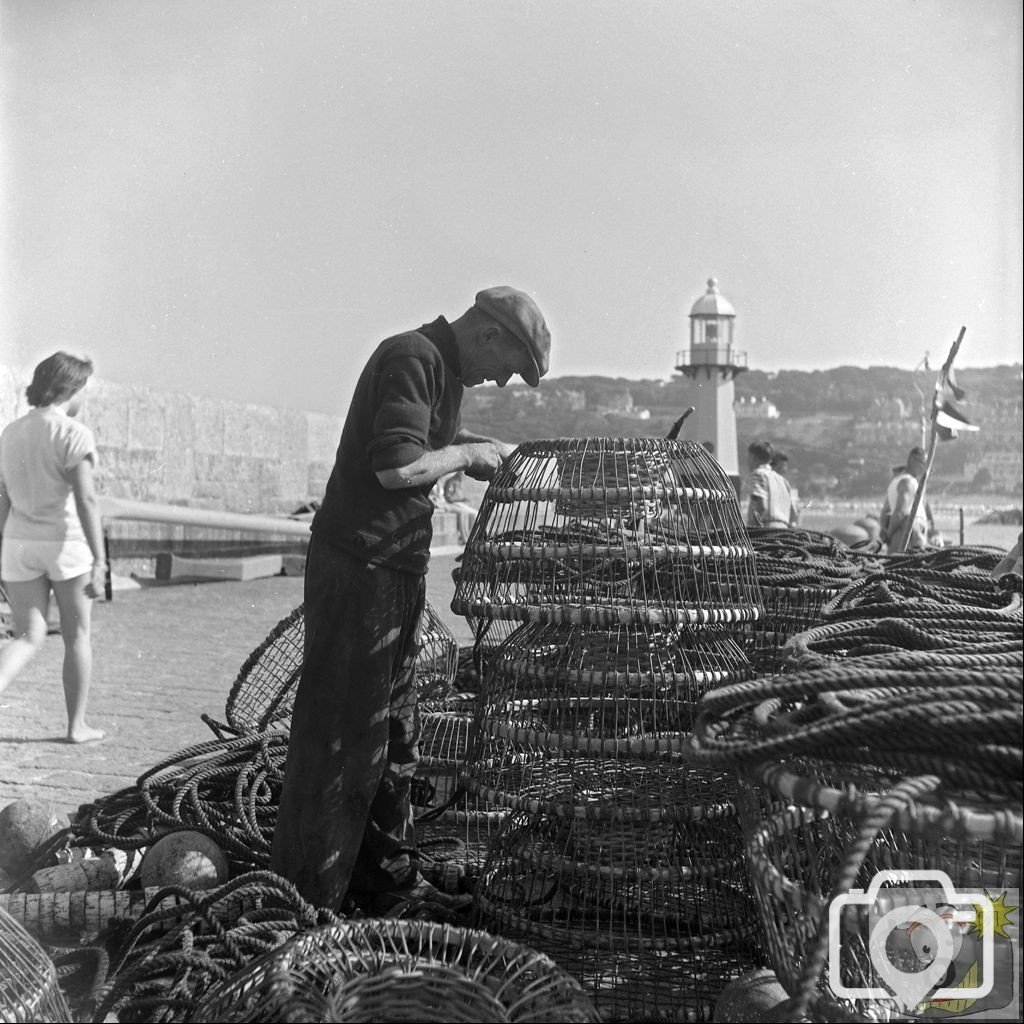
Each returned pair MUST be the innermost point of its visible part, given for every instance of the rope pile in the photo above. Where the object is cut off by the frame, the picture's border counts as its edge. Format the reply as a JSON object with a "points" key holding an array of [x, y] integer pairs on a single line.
{"points": [[894, 741], [227, 789], [186, 941], [870, 712], [800, 572]]}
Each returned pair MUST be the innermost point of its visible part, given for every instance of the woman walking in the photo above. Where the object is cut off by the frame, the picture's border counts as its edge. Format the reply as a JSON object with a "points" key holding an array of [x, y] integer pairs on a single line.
{"points": [[52, 537]]}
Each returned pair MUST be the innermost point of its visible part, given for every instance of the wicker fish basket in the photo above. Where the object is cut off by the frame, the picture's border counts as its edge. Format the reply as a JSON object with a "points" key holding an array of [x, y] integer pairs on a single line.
{"points": [[398, 970], [811, 827]]}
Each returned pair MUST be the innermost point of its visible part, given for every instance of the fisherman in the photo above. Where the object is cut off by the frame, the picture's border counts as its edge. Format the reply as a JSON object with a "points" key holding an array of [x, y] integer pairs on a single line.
{"points": [[771, 503], [344, 825], [780, 463], [897, 531]]}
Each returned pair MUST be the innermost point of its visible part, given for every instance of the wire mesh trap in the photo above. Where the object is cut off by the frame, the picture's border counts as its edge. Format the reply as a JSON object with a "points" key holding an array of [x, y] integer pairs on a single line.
{"points": [[263, 693], [29, 989], [437, 660], [816, 830], [398, 971], [624, 691], [653, 918], [452, 826], [599, 531]]}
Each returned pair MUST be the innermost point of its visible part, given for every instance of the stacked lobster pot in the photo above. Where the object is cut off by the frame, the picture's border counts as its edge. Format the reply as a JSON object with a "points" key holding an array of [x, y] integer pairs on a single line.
{"points": [[625, 568], [452, 828]]}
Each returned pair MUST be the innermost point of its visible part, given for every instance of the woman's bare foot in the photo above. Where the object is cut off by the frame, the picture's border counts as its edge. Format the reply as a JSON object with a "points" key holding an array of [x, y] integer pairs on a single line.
{"points": [[86, 734]]}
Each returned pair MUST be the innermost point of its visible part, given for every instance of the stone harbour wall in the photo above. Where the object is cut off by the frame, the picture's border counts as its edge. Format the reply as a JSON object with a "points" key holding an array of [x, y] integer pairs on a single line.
{"points": [[181, 449]]}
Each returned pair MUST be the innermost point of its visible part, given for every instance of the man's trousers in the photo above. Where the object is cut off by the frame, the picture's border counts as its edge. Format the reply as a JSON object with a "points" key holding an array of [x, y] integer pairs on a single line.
{"points": [[345, 820]]}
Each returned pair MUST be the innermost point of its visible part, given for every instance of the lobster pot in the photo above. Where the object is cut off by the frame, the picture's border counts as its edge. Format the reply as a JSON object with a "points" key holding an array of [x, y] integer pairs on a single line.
{"points": [[624, 691], [444, 740], [29, 991], [800, 819], [648, 906], [556, 783], [788, 610], [388, 970], [437, 659], [263, 693], [453, 828], [602, 531]]}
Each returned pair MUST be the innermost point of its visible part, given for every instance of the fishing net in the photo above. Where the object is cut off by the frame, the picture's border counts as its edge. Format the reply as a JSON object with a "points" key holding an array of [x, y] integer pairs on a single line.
{"points": [[603, 531], [398, 971], [29, 988]]}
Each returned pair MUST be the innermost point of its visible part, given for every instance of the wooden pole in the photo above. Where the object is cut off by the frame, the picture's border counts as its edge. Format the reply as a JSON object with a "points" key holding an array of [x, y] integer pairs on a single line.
{"points": [[932, 438]]}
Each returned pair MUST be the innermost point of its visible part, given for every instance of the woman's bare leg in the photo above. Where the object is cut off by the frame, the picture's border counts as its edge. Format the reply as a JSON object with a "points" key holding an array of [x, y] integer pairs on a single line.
{"points": [[30, 602], [75, 619]]}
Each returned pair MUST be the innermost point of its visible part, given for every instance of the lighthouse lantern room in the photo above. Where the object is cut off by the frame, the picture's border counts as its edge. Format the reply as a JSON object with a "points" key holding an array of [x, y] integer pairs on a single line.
{"points": [[710, 366]]}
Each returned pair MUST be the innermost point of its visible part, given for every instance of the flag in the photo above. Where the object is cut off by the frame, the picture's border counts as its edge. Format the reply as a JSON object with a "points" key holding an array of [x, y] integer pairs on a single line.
{"points": [[947, 417]]}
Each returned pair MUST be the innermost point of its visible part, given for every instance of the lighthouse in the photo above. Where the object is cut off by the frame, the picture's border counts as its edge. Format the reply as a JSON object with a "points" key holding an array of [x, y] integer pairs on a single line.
{"points": [[710, 365]]}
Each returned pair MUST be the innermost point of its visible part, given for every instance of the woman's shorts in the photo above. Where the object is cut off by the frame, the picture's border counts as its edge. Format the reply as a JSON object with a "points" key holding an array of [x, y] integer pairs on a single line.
{"points": [[57, 560]]}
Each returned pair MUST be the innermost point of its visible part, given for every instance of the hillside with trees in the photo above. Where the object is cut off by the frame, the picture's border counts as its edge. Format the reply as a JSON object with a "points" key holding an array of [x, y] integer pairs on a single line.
{"points": [[844, 428]]}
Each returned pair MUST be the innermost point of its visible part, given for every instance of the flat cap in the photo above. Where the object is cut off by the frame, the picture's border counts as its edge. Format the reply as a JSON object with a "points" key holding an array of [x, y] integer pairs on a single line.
{"points": [[518, 313]]}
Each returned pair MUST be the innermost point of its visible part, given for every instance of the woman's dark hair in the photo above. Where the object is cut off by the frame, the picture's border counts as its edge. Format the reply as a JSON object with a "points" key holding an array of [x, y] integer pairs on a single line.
{"points": [[56, 378]]}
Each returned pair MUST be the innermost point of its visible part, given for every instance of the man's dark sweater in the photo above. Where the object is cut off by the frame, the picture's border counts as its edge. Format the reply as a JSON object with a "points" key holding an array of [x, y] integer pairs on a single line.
{"points": [[408, 399]]}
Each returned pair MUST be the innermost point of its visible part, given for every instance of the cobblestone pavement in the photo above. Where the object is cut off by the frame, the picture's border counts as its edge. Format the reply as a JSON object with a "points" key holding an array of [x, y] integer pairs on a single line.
{"points": [[162, 655]]}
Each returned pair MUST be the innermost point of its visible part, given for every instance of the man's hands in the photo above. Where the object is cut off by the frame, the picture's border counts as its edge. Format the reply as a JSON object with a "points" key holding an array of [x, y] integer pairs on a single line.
{"points": [[484, 458]]}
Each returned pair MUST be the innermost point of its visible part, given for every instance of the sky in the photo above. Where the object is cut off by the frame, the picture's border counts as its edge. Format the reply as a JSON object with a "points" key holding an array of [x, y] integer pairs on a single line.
{"points": [[241, 198]]}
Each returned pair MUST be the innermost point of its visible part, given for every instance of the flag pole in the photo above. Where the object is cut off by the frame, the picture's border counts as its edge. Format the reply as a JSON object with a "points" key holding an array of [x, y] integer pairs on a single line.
{"points": [[907, 529]]}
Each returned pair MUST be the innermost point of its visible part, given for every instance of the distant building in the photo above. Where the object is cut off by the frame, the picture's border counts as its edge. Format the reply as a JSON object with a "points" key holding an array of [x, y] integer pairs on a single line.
{"points": [[755, 408]]}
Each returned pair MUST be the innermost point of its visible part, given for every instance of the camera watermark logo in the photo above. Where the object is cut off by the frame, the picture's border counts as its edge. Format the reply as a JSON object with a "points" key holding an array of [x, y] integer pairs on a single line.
{"points": [[929, 944]]}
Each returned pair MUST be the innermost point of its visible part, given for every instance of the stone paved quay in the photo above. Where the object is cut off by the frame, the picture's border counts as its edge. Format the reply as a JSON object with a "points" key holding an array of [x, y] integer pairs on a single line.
{"points": [[163, 655]]}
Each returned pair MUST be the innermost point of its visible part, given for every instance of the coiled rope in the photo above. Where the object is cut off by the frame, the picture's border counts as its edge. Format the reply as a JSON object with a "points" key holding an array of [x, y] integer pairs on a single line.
{"points": [[185, 941], [960, 724]]}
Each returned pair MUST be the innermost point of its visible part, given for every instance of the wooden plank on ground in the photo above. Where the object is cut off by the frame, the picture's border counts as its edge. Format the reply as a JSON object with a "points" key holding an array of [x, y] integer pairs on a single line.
{"points": [[195, 570]]}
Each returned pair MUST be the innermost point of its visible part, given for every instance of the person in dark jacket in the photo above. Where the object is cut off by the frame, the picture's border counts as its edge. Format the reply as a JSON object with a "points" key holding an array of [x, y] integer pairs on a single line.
{"points": [[344, 825]]}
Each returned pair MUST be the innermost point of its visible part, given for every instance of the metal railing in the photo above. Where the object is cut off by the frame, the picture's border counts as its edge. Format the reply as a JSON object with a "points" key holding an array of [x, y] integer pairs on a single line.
{"points": [[708, 355]]}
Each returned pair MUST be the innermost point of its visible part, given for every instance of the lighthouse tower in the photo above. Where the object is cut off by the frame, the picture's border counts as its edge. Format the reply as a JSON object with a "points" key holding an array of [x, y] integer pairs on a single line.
{"points": [[710, 366]]}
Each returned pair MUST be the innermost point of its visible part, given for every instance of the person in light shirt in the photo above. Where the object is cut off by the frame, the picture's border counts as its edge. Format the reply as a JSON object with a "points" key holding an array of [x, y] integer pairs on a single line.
{"points": [[52, 534], [771, 504]]}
